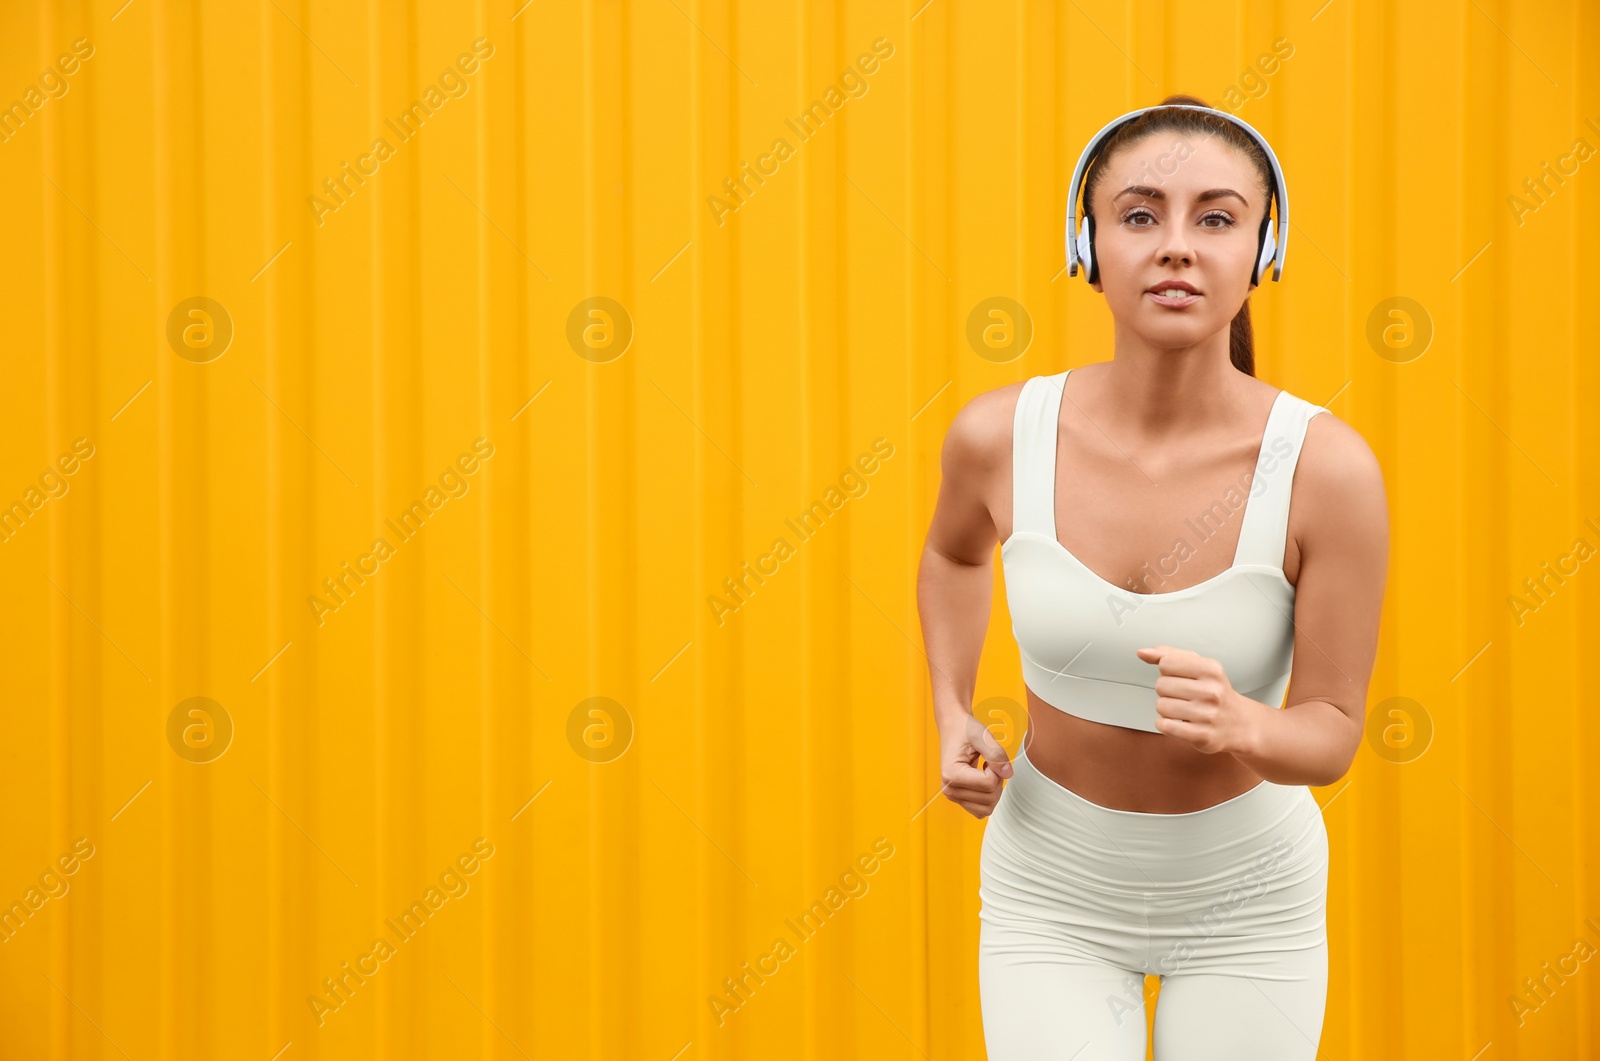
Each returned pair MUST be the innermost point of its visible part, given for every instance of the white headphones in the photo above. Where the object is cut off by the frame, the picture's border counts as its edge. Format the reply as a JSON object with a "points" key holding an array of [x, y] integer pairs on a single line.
{"points": [[1272, 249]]}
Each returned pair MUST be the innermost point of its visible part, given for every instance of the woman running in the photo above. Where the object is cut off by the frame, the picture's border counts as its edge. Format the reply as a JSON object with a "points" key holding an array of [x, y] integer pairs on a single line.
{"points": [[1182, 544]]}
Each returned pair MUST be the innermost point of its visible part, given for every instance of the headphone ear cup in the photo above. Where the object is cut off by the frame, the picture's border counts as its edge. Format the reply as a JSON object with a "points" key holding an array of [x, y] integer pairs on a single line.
{"points": [[1269, 249], [1086, 248]]}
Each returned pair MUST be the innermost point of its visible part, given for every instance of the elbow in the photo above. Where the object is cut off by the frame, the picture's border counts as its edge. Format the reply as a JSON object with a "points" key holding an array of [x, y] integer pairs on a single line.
{"points": [[1331, 777], [1340, 767]]}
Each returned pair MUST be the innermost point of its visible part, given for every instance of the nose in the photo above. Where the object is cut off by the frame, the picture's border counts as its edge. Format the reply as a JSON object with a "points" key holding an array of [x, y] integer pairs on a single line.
{"points": [[1175, 246]]}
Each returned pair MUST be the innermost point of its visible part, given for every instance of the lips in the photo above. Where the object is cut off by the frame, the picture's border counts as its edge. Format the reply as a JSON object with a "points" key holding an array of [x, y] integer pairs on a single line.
{"points": [[1173, 301], [1174, 285]]}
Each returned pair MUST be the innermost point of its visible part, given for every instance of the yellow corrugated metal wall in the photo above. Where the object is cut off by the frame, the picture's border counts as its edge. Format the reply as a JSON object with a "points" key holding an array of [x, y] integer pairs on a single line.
{"points": [[530, 294]]}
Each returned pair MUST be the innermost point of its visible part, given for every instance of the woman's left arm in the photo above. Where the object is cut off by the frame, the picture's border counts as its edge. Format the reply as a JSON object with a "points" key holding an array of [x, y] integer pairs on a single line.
{"points": [[1342, 519]]}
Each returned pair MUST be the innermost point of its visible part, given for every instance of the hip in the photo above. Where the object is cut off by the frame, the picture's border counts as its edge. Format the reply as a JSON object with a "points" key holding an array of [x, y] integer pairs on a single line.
{"points": [[1271, 836]]}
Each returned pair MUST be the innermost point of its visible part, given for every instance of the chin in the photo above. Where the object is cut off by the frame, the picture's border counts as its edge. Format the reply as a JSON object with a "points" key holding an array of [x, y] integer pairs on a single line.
{"points": [[1178, 332]]}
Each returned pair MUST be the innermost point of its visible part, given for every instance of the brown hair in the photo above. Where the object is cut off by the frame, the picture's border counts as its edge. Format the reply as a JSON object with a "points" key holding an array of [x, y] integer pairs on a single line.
{"points": [[1241, 344]]}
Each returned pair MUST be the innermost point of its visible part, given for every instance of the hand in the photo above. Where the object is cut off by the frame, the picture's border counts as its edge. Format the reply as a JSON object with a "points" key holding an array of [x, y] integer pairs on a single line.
{"points": [[1197, 703], [961, 745]]}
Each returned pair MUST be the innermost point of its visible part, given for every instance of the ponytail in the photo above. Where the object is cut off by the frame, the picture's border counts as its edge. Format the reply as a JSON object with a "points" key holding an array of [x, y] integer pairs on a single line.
{"points": [[1241, 344]]}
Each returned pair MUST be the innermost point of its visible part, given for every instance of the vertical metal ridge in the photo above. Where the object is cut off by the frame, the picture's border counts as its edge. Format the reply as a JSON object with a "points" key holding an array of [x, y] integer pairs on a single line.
{"points": [[278, 987], [186, 793], [73, 661], [402, 821], [486, 425]]}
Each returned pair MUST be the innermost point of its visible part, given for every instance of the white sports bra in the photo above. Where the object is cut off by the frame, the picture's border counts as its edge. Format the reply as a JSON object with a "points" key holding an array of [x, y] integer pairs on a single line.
{"points": [[1077, 632]]}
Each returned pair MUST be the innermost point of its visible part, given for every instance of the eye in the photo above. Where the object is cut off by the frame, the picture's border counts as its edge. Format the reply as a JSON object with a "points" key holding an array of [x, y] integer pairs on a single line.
{"points": [[1216, 215]]}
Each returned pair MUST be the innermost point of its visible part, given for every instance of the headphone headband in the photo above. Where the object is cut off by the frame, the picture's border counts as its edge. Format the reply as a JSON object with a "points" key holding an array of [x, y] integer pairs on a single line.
{"points": [[1280, 191]]}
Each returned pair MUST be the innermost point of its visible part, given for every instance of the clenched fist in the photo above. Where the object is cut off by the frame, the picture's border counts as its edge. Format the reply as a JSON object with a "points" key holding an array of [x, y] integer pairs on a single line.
{"points": [[976, 788], [1197, 703]]}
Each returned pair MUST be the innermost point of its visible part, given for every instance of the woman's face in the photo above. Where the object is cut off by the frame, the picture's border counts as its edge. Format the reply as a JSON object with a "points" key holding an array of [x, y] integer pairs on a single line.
{"points": [[1175, 207]]}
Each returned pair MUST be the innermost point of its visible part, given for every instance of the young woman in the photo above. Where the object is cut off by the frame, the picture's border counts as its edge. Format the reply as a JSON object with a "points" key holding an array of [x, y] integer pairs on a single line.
{"points": [[1176, 535]]}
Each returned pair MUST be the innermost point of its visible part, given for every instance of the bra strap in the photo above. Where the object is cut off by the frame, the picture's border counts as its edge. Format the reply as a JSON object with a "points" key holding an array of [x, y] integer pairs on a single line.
{"points": [[1265, 534], [1033, 455]]}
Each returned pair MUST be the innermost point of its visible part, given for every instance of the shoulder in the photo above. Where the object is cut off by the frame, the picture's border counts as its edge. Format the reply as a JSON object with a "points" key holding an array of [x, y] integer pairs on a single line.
{"points": [[979, 436], [1335, 453], [1338, 481]]}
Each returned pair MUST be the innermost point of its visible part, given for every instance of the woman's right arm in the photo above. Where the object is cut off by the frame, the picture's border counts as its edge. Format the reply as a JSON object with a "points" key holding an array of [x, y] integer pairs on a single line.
{"points": [[954, 590]]}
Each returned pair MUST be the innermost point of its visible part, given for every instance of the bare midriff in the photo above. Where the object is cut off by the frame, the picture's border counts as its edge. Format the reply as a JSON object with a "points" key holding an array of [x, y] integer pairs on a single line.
{"points": [[1130, 769]]}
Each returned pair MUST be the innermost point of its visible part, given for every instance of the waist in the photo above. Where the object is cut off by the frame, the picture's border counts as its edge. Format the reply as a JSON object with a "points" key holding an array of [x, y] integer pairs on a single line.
{"points": [[1122, 767], [1274, 824]]}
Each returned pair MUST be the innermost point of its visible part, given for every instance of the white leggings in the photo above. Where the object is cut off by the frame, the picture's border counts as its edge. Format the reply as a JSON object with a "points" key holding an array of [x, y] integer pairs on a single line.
{"points": [[1226, 905]]}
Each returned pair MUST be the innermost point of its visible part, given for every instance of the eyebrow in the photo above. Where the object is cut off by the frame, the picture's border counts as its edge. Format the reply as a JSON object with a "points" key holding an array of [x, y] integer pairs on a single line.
{"points": [[1156, 193]]}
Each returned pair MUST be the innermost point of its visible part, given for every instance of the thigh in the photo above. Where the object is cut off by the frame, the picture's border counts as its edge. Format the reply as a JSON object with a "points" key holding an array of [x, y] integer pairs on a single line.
{"points": [[1229, 1017], [1042, 999], [1244, 966]]}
